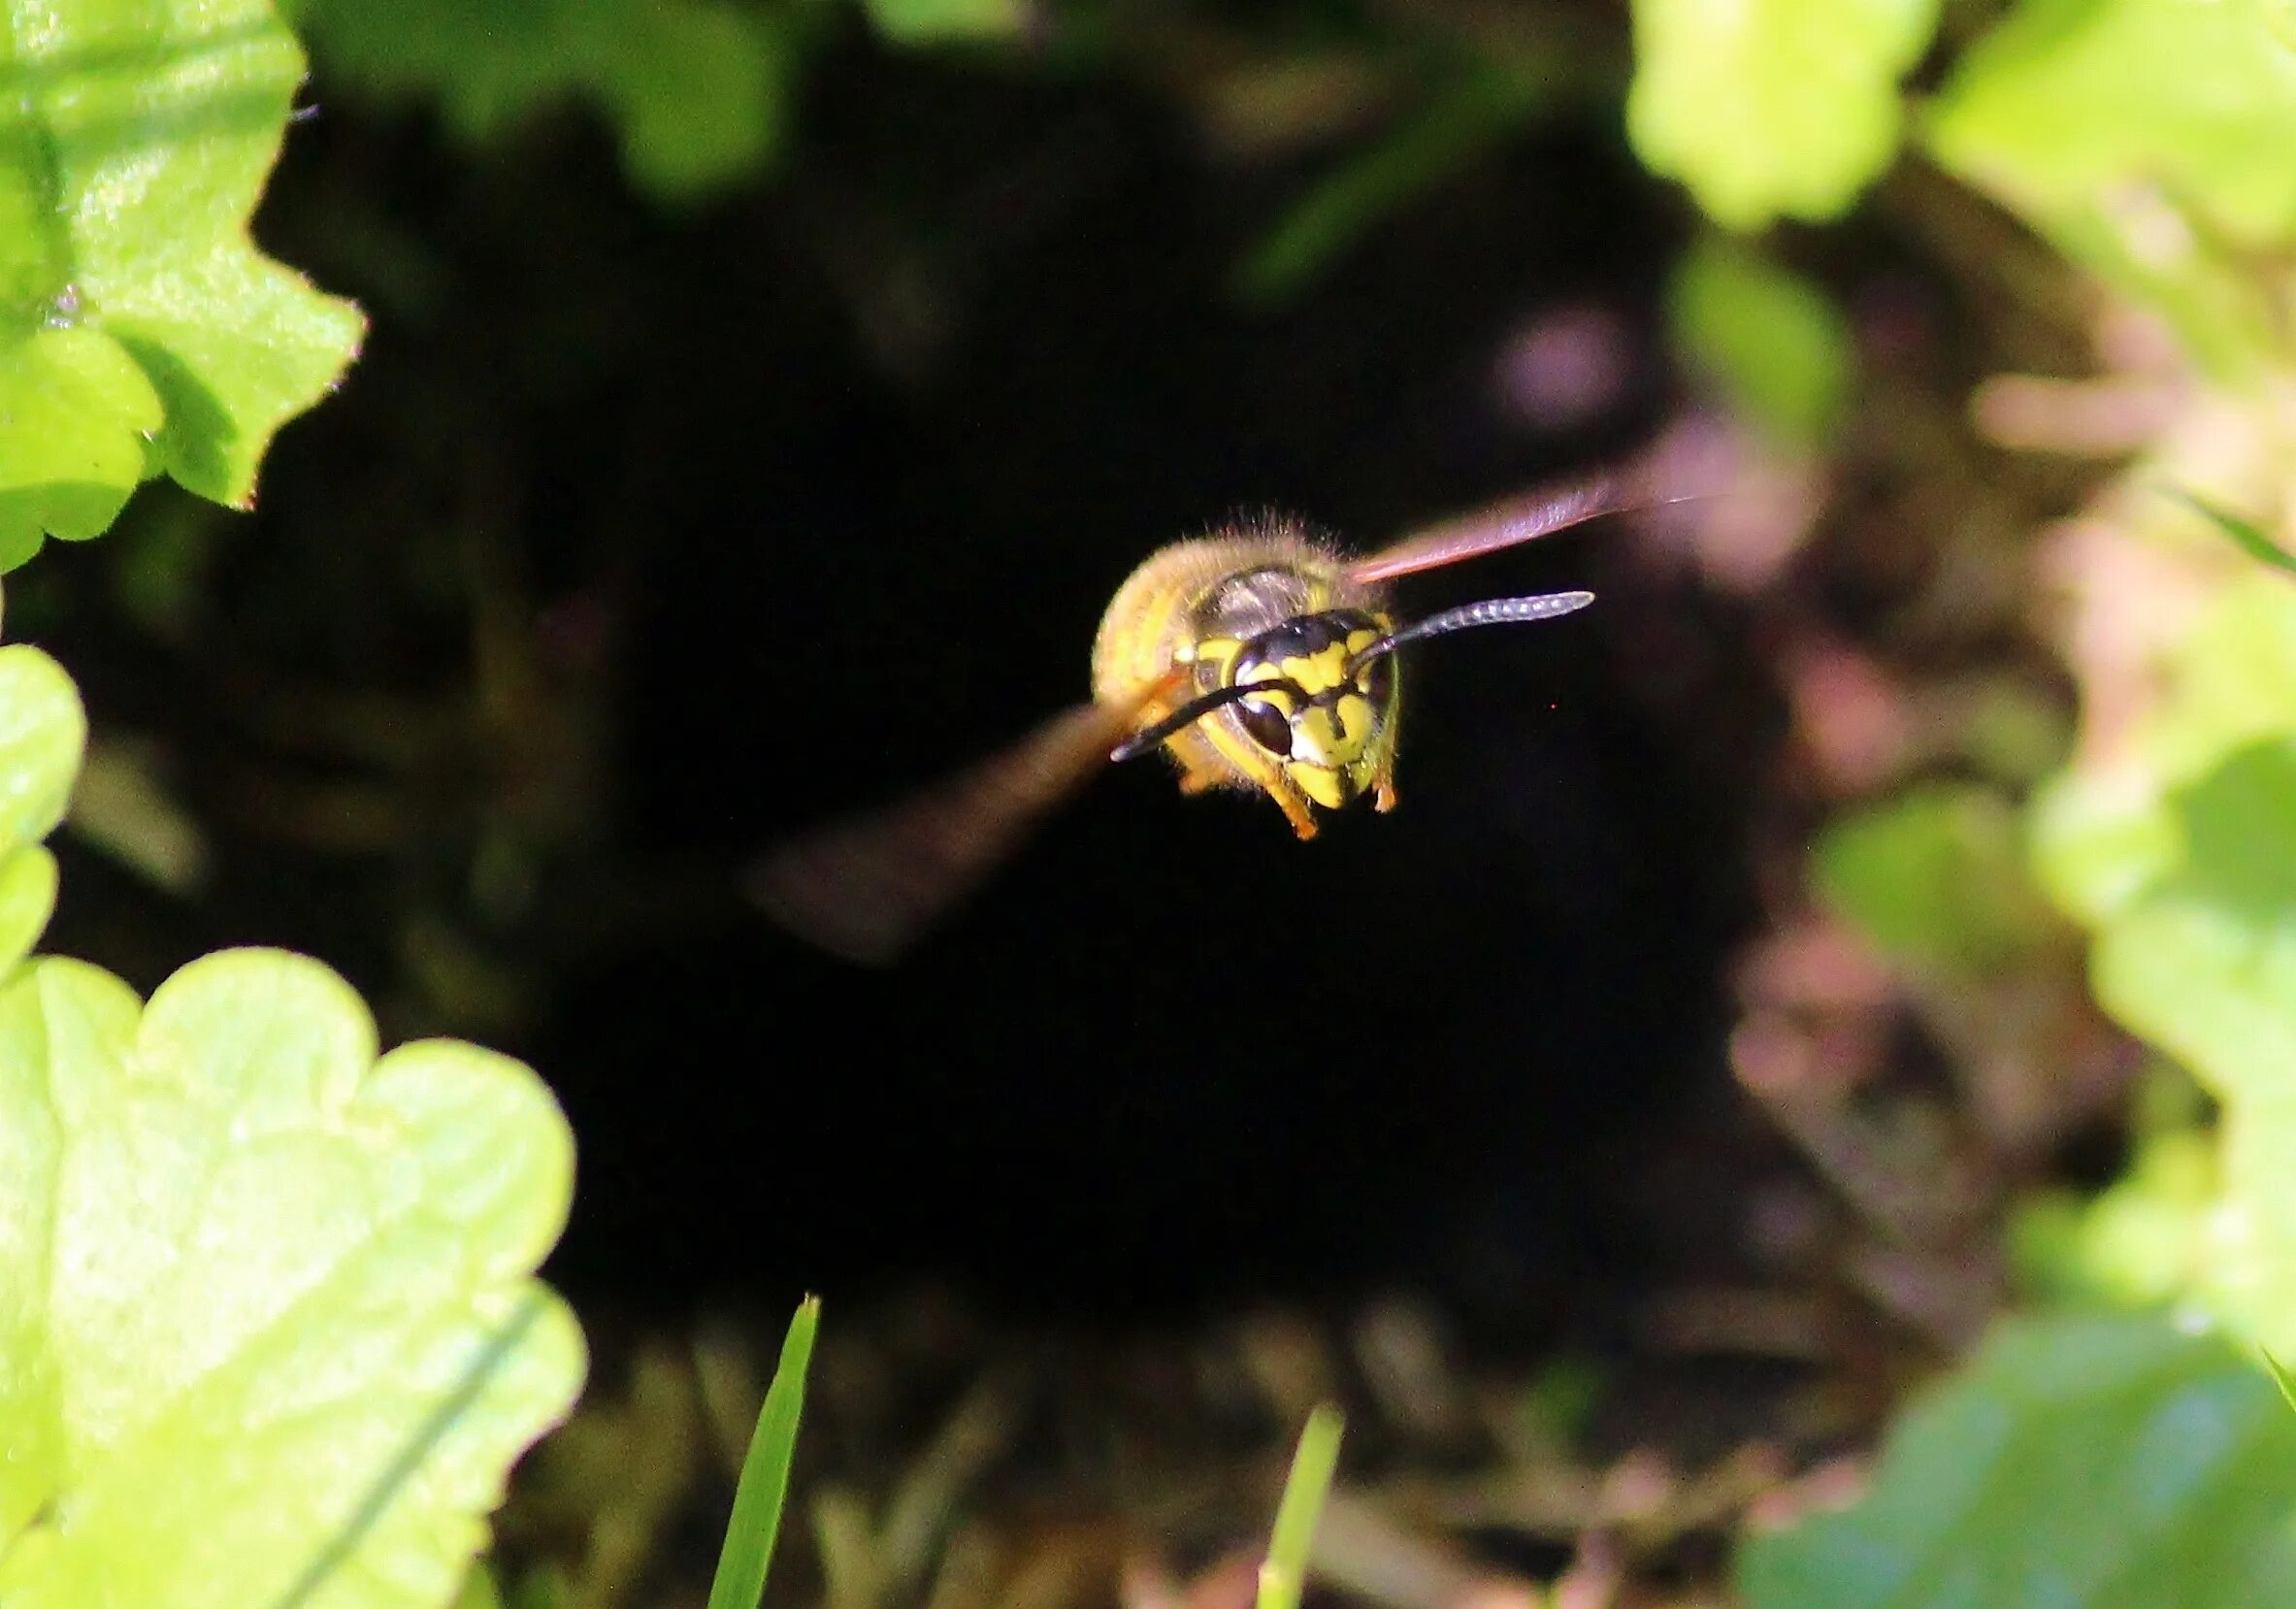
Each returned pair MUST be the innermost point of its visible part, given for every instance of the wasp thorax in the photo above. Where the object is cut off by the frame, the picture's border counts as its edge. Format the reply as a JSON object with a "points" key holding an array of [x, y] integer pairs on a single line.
{"points": [[1322, 715]]}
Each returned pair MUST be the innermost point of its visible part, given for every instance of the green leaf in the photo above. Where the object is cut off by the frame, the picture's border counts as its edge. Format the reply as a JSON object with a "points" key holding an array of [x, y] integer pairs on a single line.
{"points": [[2148, 138], [141, 331], [939, 22], [2079, 1463], [1936, 877], [2103, 836], [2067, 101], [277, 1339], [2144, 1242], [1284, 1575], [1772, 107], [1770, 338], [764, 1487], [2178, 849], [697, 90], [76, 413], [27, 899], [43, 734], [2205, 966]]}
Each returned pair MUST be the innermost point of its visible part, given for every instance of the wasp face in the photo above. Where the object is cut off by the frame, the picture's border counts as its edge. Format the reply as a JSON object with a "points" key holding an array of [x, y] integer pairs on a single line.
{"points": [[1325, 725]]}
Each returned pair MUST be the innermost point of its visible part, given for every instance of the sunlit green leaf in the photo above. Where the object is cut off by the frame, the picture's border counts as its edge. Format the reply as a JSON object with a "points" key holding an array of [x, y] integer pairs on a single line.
{"points": [[697, 90], [277, 1338], [2141, 1243], [2103, 837], [2149, 140], [27, 898], [43, 734], [2181, 853], [1771, 339], [141, 331], [1772, 107], [2066, 100], [2205, 966], [2082, 1463]]}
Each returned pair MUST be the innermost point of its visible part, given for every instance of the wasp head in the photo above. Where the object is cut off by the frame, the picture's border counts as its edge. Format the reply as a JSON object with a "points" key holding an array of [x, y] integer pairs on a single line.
{"points": [[1322, 711]]}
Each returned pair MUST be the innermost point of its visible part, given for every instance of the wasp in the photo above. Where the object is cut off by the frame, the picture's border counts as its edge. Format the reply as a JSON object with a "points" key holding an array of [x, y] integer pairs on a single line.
{"points": [[1260, 657]]}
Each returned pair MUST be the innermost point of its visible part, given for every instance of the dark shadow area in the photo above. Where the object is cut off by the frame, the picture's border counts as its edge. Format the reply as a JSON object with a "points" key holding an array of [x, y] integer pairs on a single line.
{"points": [[844, 534]]}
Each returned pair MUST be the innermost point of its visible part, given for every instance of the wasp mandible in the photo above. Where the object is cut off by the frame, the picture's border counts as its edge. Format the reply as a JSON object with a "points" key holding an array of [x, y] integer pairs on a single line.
{"points": [[1260, 657]]}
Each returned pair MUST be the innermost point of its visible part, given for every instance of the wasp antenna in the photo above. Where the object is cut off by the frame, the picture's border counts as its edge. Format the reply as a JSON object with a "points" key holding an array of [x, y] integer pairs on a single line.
{"points": [[1194, 711], [1490, 612]]}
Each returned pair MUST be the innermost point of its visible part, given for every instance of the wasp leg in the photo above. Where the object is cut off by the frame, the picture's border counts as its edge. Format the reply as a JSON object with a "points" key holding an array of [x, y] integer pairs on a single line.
{"points": [[1296, 808], [1195, 781]]}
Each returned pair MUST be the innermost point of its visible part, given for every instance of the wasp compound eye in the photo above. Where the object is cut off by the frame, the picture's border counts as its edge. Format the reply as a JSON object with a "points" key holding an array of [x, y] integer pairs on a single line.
{"points": [[1269, 727]]}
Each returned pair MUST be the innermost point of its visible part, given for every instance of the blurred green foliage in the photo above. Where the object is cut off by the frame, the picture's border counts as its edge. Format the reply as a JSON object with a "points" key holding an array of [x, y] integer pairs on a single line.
{"points": [[1283, 1575], [2106, 1463], [1771, 340], [1771, 108], [940, 21], [2149, 140], [1464, 119], [2177, 853], [697, 91], [1936, 878]]}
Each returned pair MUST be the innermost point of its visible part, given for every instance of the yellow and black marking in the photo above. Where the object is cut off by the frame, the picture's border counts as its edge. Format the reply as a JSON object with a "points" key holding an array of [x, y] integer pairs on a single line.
{"points": [[1274, 607]]}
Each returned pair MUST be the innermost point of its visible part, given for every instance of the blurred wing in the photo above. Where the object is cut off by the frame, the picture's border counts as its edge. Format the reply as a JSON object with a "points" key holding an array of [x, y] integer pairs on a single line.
{"points": [[1513, 522], [866, 889]]}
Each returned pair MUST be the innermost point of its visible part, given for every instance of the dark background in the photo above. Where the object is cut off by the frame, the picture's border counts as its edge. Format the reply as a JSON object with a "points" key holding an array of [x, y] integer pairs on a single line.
{"points": [[825, 486]]}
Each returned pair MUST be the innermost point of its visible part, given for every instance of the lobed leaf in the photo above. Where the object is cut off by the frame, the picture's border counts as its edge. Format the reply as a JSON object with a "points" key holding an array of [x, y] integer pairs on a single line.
{"points": [[141, 330], [272, 1335], [43, 734]]}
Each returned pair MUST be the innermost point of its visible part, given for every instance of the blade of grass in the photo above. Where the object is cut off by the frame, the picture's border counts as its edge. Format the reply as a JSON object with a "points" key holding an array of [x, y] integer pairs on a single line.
{"points": [[2280, 1378], [758, 1495], [2250, 540], [1285, 1574]]}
